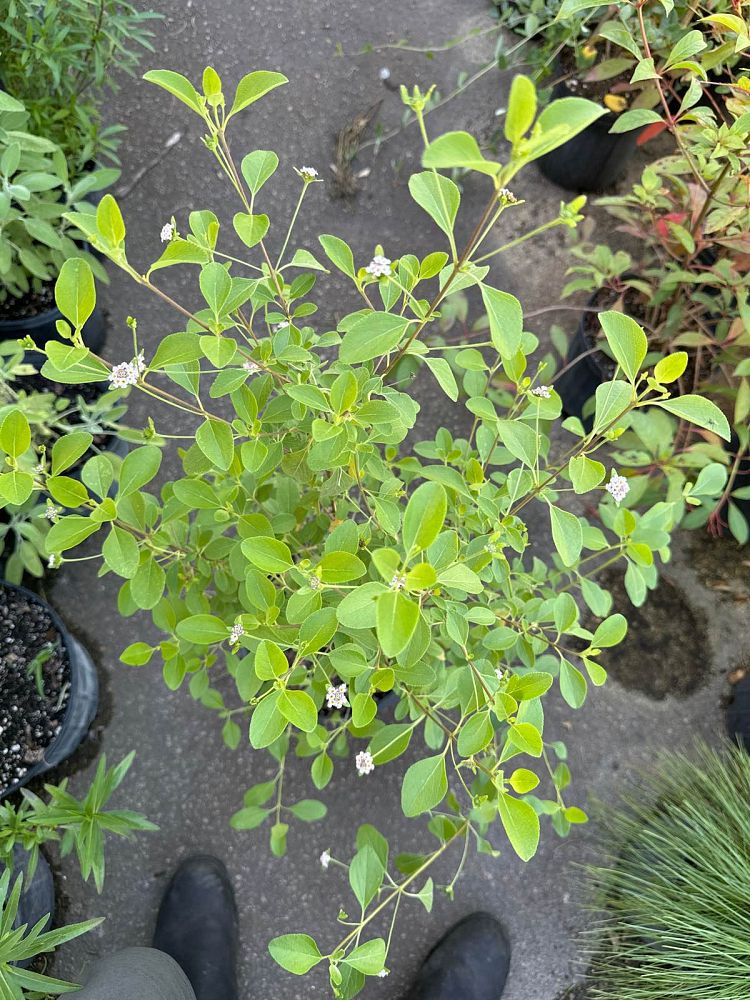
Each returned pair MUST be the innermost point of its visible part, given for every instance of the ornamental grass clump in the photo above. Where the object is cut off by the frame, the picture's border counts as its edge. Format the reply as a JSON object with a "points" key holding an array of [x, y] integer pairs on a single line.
{"points": [[675, 903], [305, 562]]}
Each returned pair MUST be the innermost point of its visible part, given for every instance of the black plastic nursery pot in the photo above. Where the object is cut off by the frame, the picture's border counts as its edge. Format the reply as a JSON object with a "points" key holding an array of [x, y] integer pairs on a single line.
{"points": [[41, 327], [37, 896], [594, 159], [38, 732]]}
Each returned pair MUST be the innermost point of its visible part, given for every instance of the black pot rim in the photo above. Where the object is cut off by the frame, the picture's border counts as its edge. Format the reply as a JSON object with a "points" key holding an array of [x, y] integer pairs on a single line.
{"points": [[75, 652]]}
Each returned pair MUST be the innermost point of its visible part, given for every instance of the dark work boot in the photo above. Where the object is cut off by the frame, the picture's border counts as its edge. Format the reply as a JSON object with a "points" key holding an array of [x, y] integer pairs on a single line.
{"points": [[470, 963], [738, 714], [197, 926]]}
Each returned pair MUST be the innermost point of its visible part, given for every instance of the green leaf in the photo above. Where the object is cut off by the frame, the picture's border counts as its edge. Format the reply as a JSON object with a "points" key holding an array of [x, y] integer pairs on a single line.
{"points": [[396, 621], [506, 320], [138, 468], [269, 554], [339, 253], [526, 737], [521, 440], [67, 491], [521, 108], [341, 567], [461, 577], [267, 722], [425, 786], [15, 434], [699, 411], [297, 953], [16, 487], [570, 7], [627, 341], [669, 369], [611, 631], [444, 376], [308, 810], [573, 684], [475, 734], [109, 221], [216, 441], [560, 122], [612, 401], [688, 45], [147, 586], [371, 336], [137, 654], [458, 149], [567, 534], [257, 167], [216, 286], [424, 517], [321, 771], [121, 553], [75, 293], [366, 875], [299, 708], [521, 825], [522, 781], [585, 473], [250, 228], [253, 86], [270, 661], [637, 118], [69, 532], [68, 449], [390, 742], [177, 85], [203, 630], [249, 818], [438, 196], [368, 958]]}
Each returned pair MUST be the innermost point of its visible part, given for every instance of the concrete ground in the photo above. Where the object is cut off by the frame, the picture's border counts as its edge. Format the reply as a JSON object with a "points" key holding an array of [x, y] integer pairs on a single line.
{"points": [[184, 778]]}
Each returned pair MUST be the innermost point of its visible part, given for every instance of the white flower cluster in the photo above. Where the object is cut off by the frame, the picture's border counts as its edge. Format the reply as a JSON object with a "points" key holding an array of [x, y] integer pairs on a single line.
{"points": [[51, 512], [336, 696], [167, 232], [364, 762], [507, 196], [543, 391], [398, 582], [325, 859], [379, 266], [127, 373], [314, 583], [618, 487], [236, 633], [309, 173], [250, 366]]}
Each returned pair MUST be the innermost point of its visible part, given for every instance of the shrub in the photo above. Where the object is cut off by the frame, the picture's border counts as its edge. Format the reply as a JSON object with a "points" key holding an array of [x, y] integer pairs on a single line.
{"points": [[675, 901], [304, 557]]}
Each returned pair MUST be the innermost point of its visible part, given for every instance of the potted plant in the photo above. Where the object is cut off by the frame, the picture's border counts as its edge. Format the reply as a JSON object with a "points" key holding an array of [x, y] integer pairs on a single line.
{"points": [[639, 60], [60, 62], [35, 237], [689, 288], [87, 413], [671, 905], [27, 893], [49, 688], [309, 554]]}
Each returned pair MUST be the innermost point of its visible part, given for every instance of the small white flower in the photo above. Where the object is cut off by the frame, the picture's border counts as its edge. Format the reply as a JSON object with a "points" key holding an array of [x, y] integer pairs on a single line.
{"points": [[236, 633], [336, 696], [51, 512], [167, 232], [379, 266], [383, 973], [140, 363], [364, 762], [507, 196], [314, 583], [54, 561], [618, 487], [384, 73], [499, 673], [250, 366], [398, 582], [39, 467], [309, 173], [491, 548], [325, 859], [125, 374], [543, 391]]}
